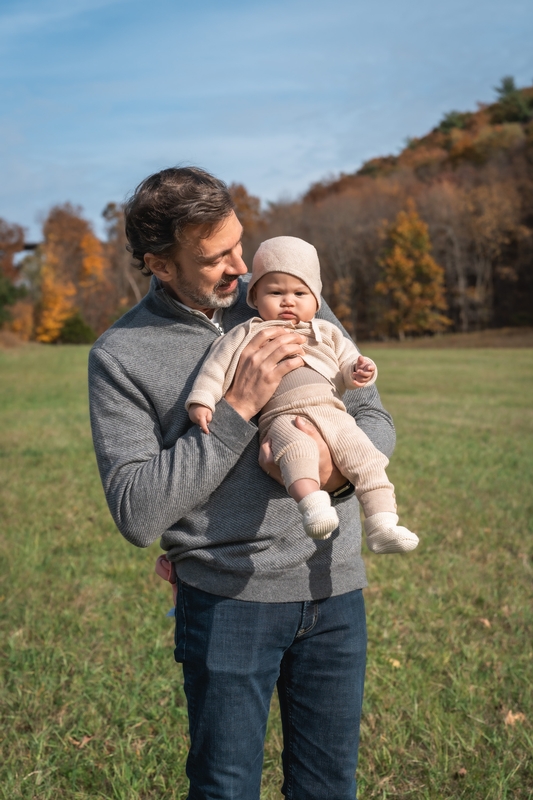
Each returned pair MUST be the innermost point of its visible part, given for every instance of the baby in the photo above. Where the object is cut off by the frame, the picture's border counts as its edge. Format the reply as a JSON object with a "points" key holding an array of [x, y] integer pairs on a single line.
{"points": [[285, 288]]}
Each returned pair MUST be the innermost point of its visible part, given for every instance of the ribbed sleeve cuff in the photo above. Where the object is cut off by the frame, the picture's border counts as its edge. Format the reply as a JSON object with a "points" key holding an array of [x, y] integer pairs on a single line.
{"points": [[228, 426], [202, 398]]}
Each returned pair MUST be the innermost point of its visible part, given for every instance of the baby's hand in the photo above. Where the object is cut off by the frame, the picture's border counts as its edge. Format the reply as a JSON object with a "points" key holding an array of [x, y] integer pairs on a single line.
{"points": [[363, 371], [200, 415]]}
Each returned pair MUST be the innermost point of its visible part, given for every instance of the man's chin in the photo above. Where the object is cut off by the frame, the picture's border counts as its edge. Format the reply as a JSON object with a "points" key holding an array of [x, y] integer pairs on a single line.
{"points": [[221, 299]]}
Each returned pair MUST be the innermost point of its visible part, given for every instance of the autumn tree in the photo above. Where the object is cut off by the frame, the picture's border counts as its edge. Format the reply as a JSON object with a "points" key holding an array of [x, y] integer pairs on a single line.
{"points": [[11, 242], [63, 230], [477, 235], [74, 275], [57, 303], [346, 232], [413, 282], [16, 312]]}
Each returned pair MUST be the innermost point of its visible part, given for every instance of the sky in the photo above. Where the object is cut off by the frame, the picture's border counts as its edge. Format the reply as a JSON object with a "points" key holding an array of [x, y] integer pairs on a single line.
{"points": [[275, 94]]}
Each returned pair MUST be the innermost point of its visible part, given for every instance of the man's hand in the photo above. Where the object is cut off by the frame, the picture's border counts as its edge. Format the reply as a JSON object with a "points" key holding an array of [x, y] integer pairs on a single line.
{"points": [[200, 415], [330, 477], [270, 355], [363, 371]]}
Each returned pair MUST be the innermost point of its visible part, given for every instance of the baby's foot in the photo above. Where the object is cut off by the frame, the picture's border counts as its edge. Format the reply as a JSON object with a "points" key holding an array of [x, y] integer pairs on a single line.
{"points": [[384, 535], [318, 515]]}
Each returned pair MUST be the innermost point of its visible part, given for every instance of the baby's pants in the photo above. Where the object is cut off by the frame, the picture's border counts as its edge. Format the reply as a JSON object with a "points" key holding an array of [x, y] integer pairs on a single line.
{"points": [[352, 451]]}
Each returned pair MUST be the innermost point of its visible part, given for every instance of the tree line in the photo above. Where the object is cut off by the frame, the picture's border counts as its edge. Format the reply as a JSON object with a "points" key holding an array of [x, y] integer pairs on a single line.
{"points": [[73, 285], [439, 237]]}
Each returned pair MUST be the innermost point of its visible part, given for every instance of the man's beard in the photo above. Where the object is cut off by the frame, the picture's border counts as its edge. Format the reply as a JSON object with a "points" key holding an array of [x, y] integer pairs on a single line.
{"points": [[208, 299]]}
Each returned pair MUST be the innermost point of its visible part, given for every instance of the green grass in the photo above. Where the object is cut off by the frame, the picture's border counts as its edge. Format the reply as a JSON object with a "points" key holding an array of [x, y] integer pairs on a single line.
{"points": [[91, 704]]}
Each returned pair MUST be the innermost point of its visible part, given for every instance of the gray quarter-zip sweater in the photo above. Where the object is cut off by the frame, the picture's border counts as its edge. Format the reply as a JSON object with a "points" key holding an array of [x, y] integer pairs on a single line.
{"points": [[230, 529]]}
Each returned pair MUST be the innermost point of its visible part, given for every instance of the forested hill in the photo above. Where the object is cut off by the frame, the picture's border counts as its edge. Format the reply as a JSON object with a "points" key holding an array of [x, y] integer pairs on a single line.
{"points": [[494, 133], [471, 182]]}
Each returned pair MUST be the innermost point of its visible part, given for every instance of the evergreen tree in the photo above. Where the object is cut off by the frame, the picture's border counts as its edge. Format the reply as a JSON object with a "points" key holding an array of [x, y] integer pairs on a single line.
{"points": [[513, 105]]}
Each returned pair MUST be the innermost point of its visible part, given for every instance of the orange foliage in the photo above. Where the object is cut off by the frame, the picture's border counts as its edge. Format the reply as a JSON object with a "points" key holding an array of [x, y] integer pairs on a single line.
{"points": [[247, 207], [74, 275]]}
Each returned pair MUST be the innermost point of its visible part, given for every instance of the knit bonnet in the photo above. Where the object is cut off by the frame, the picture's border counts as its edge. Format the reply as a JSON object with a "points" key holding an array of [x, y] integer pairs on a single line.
{"points": [[290, 255]]}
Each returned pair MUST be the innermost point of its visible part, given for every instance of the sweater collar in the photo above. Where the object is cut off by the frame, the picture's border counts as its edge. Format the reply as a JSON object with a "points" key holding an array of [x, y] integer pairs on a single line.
{"points": [[159, 293]]}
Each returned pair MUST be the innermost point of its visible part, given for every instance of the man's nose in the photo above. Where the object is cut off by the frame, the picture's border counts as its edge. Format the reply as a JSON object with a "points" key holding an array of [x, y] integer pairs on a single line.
{"points": [[236, 265]]}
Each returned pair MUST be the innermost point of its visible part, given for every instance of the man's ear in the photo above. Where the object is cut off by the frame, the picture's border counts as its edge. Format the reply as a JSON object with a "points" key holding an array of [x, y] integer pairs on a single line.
{"points": [[161, 267]]}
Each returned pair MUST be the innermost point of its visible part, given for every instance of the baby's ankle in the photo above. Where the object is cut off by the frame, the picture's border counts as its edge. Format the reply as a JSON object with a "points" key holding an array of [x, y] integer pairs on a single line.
{"points": [[302, 487]]}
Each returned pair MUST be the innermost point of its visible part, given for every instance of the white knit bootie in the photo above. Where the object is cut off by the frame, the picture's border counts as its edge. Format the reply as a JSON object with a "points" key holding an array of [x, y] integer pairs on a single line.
{"points": [[318, 515], [384, 535]]}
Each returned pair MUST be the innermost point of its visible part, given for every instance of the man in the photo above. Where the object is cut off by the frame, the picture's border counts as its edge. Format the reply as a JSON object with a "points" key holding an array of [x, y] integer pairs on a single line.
{"points": [[259, 602]]}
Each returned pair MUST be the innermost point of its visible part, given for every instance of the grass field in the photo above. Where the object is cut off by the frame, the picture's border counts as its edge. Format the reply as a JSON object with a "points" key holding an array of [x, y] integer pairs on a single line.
{"points": [[91, 704]]}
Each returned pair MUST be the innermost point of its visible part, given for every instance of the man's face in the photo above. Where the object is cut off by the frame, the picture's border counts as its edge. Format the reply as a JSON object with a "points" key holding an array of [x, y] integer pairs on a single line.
{"points": [[206, 270]]}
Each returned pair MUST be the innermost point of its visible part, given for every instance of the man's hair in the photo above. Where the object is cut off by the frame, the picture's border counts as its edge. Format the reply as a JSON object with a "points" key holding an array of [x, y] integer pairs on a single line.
{"points": [[164, 205]]}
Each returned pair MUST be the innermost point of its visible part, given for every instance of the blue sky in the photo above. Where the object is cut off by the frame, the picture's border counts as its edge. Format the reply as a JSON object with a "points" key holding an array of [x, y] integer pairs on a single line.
{"points": [[275, 94]]}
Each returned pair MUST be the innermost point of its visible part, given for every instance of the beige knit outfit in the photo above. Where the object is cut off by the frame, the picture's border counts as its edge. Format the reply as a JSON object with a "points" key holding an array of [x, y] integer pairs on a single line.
{"points": [[313, 391]]}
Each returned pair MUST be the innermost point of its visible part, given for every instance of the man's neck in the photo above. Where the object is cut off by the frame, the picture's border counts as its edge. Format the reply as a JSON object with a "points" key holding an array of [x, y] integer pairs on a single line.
{"points": [[186, 302]]}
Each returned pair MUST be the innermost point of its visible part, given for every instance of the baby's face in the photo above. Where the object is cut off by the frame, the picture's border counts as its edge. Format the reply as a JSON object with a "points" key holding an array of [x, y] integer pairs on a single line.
{"points": [[281, 296]]}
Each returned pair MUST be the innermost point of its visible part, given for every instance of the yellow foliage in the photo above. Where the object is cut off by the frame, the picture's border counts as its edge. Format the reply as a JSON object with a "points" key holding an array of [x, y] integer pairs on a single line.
{"points": [[56, 305], [413, 281], [93, 262]]}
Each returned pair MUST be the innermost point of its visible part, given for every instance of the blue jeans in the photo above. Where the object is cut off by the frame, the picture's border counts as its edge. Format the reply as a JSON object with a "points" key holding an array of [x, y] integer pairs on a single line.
{"points": [[233, 654]]}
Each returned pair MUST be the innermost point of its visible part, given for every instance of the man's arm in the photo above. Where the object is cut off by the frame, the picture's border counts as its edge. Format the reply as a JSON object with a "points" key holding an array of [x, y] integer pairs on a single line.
{"points": [[148, 488]]}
